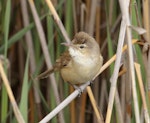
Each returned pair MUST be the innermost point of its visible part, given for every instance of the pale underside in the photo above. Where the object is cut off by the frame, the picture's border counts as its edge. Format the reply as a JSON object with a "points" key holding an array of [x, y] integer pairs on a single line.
{"points": [[81, 70]]}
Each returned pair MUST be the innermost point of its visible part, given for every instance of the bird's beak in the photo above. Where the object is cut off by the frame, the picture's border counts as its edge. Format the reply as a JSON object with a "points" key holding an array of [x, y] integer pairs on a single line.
{"points": [[67, 44]]}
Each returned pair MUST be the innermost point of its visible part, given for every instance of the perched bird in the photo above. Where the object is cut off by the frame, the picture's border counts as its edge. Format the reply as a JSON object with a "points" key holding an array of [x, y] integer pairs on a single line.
{"points": [[80, 63]]}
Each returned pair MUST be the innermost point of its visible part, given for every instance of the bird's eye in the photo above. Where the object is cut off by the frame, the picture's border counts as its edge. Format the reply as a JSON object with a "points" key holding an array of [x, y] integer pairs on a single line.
{"points": [[81, 47], [64, 65]]}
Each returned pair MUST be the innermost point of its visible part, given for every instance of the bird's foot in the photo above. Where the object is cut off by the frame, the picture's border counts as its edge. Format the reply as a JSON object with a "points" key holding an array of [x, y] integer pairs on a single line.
{"points": [[91, 82], [79, 89]]}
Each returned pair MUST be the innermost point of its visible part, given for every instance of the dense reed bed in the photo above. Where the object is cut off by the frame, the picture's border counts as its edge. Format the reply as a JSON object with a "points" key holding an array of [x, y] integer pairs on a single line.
{"points": [[31, 33]]}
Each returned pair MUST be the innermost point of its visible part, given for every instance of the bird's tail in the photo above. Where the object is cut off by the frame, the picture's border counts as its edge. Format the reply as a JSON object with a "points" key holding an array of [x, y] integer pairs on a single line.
{"points": [[45, 74]]}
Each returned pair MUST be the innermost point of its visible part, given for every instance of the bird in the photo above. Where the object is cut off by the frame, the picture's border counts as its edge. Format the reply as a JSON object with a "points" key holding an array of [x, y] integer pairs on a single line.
{"points": [[80, 62]]}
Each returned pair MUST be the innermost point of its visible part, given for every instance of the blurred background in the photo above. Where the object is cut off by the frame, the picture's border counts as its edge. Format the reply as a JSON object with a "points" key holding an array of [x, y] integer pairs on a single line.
{"points": [[24, 43]]}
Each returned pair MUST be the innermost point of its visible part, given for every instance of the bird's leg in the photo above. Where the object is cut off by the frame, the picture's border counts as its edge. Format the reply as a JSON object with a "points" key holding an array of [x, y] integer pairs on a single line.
{"points": [[91, 82], [77, 88]]}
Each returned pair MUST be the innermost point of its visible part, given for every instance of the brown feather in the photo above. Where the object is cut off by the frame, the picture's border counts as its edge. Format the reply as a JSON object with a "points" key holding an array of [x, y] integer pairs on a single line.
{"points": [[61, 62]]}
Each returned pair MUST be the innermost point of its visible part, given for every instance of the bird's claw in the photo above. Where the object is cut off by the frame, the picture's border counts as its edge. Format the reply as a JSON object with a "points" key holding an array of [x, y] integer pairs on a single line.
{"points": [[91, 82], [79, 89]]}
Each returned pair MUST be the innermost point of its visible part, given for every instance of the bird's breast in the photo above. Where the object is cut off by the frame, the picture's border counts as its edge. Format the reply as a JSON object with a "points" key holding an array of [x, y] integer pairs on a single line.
{"points": [[81, 70]]}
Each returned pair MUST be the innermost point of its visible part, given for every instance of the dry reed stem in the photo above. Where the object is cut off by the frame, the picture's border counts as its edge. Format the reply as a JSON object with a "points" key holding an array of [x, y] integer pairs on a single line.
{"points": [[82, 109], [87, 9], [94, 104], [139, 76], [11, 96], [123, 86], [117, 101], [46, 54], [72, 109], [118, 107], [122, 95], [114, 76], [131, 60], [97, 37], [83, 9], [103, 95], [113, 89], [146, 19], [57, 20], [29, 41], [75, 17], [91, 23]]}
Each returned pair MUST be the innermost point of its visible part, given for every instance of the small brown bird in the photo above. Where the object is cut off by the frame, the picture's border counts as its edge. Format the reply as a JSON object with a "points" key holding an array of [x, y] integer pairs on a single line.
{"points": [[80, 63]]}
